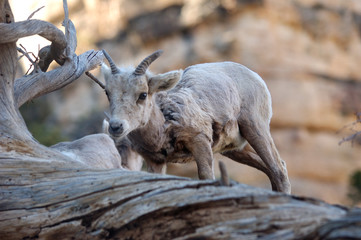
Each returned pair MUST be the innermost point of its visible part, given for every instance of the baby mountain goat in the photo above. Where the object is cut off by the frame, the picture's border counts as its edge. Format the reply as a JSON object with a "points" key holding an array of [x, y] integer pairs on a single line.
{"points": [[130, 159], [181, 116]]}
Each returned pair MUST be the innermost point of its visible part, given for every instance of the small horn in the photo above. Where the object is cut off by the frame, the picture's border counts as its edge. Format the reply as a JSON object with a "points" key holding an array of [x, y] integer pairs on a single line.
{"points": [[142, 67], [113, 67]]}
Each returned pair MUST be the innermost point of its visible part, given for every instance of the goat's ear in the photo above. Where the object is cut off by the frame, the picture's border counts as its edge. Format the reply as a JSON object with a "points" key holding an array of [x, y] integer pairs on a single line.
{"points": [[106, 71], [165, 81]]}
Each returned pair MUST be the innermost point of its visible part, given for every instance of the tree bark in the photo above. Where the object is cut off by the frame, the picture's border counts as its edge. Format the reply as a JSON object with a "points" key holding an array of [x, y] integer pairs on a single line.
{"points": [[66, 192], [14, 135], [49, 201]]}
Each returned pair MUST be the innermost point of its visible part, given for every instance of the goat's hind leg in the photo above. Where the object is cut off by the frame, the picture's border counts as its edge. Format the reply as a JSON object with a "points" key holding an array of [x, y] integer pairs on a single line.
{"points": [[248, 157], [258, 135]]}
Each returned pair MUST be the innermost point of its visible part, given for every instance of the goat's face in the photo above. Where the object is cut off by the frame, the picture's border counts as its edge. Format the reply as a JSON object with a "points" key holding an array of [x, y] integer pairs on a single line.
{"points": [[130, 94]]}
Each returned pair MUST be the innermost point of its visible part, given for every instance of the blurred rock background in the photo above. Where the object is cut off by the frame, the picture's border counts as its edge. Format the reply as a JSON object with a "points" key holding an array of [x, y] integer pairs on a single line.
{"points": [[307, 51]]}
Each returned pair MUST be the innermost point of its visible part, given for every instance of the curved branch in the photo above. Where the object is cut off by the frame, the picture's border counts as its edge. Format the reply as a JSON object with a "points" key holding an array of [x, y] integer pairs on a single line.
{"points": [[13, 31], [45, 54], [29, 87]]}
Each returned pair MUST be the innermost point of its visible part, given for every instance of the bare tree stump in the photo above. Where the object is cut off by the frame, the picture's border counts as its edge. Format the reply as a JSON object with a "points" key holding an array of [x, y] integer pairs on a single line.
{"points": [[66, 192]]}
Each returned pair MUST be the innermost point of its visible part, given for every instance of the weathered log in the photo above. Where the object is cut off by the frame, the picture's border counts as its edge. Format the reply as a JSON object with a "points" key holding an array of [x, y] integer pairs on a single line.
{"points": [[49, 201]]}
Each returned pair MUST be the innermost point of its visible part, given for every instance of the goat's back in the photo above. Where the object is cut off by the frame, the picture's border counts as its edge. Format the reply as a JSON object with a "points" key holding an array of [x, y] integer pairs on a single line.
{"points": [[222, 89]]}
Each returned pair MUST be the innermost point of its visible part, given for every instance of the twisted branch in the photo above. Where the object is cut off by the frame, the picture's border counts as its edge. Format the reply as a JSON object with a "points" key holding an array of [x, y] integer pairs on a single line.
{"points": [[62, 50]]}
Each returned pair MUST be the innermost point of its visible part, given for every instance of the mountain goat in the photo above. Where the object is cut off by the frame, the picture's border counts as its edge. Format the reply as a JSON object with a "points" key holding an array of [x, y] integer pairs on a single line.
{"points": [[131, 160], [181, 116]]}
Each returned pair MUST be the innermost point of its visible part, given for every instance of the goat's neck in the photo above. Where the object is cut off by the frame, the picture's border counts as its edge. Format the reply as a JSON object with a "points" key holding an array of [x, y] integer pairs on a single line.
{"points": [[150, 137]]}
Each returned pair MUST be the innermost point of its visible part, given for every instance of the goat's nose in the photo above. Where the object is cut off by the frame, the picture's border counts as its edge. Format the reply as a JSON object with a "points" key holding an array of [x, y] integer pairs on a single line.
{"points": [[115, 127]]}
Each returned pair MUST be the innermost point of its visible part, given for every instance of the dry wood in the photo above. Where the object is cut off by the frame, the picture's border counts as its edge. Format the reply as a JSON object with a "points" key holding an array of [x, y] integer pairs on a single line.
{"points": [[47, 195], [32, 86], [11, 32], [224, 174], [33, 13], [92, 77], [42, 202], [13, 93]]}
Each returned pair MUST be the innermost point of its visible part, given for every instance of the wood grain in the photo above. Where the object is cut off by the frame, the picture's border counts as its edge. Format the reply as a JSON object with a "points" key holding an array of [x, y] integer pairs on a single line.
{"points": [[122, 204]]}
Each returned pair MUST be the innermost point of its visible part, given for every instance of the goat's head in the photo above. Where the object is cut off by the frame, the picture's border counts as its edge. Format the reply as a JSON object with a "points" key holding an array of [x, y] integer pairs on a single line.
{"points": [[130, 93]]}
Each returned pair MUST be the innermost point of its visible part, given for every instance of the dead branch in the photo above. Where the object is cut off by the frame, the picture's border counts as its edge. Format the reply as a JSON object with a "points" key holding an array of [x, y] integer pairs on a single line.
{"points": [[73, 66], [224, 174], [26, 54], [92, 77], [37, 10], [29, 87], [13, 31], [14, 135]]}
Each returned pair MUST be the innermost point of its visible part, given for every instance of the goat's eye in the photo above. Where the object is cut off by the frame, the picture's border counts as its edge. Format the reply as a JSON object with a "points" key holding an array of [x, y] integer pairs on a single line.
{"points": [[143, 96]]}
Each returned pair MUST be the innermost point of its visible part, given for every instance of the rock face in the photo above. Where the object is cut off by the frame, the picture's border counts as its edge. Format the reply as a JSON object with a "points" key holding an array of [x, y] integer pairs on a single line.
{"points": [[307, 51]]}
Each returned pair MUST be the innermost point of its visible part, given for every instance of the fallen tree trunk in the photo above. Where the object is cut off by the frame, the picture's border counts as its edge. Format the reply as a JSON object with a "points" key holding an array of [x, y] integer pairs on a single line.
{"points": [[47, 201], [62, 192]]}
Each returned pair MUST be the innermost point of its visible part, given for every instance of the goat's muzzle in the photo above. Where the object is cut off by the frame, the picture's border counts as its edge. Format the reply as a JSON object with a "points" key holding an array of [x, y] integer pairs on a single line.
{"points": [[115, 127]]}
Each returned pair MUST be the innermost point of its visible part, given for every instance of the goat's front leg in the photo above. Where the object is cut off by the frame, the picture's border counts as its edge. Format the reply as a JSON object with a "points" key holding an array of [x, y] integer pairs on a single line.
{"points": [[200, 147]]}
